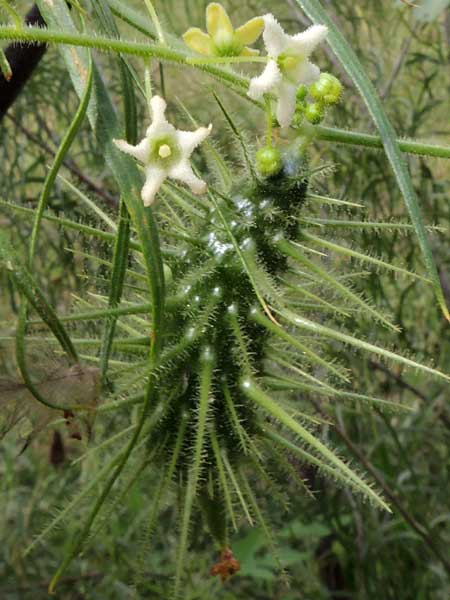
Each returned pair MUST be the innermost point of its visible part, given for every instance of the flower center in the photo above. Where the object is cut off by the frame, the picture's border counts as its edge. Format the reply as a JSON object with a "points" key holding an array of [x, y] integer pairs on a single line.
{"points": [[165, 151], [289, 64], [223, 38], [227, 45]]}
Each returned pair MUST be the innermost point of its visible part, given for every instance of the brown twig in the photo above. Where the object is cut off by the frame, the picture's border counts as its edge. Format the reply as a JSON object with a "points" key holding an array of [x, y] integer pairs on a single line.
{"points": [[398, 65], [407, 386], [69, 164]]}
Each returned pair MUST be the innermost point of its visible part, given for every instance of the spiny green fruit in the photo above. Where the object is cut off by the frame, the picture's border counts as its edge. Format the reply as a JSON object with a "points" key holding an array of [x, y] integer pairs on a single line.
{"points": [[211, 305]]}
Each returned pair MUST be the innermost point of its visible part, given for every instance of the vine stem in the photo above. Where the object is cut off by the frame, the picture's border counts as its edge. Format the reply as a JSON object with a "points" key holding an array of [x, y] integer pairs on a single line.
{"points": [[328, 134], [191, 60], [342, 136], [269, 122]]}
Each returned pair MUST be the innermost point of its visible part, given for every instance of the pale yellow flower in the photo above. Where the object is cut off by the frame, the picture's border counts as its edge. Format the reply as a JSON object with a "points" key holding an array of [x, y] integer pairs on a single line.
{"points": [[222, 39]]}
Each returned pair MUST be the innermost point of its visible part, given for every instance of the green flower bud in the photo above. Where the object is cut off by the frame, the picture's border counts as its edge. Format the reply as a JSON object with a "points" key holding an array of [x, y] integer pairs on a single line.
{"points": [[302, 92], [298, 119], [328, 89], [299, 114], [268, 161], [315, 113]]}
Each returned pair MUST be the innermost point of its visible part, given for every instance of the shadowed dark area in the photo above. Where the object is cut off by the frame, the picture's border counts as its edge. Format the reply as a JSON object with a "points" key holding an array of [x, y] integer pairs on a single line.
{"points": [[23, 58]]}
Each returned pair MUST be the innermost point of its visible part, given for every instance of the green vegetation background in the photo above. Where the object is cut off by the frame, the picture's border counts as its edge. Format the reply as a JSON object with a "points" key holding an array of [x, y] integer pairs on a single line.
{"points": [[332, 545]]}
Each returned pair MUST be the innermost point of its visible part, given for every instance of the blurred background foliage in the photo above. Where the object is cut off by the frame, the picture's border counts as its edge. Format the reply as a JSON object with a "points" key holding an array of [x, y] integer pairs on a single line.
{"points": [[331, 545]]}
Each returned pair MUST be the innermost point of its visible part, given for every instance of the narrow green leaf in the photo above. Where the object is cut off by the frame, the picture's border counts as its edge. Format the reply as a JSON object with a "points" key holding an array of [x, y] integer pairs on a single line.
{"points": [[108, 24], [333, 201], [121, 247], [333, 334], [286, 383], [236, 132], [36, 297], [360, 256], [333, 473], [67, 223], [120, 261], [92, 206], [32, 294], [376, 225], [289, 249], [222, 478], [273, 408], [312, 356], [206, 373]]}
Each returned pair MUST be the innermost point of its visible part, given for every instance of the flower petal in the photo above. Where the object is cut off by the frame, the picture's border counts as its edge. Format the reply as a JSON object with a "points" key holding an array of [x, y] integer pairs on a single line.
{"points": [[160, 125], [158, 106], [153, 181], [189, 140], [275, 39], [249, 51], [306, 42], [218, 22], [286, 103], [141, 151], [183, 172], [307, 73], [249, 32], [199, 41], [269, 78]]}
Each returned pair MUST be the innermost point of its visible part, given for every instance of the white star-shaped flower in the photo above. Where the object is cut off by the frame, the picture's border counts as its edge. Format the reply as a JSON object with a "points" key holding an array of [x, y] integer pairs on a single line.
{"points": [[288, 65], [165, 152]]}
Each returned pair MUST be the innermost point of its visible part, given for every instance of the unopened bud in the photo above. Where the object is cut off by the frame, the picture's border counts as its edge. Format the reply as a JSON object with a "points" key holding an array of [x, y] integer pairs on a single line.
{"points": [[268, 161]]}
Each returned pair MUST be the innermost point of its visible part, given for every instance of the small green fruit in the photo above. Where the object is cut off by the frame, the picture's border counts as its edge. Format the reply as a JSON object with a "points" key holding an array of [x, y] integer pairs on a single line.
{"points": [[315, 113], [328, 89], [269, 162]]}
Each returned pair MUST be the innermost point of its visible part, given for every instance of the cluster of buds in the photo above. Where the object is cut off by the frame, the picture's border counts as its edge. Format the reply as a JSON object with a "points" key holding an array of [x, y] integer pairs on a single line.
{"points": [[325, 92]]}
